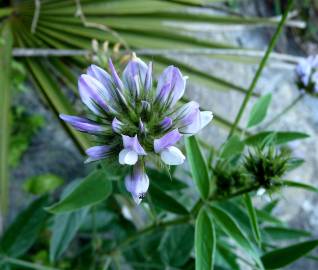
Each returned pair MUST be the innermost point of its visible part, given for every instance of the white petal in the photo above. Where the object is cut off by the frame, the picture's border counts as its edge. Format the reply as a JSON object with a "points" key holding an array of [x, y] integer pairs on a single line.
{"points": [[206, 118], [172, 156], [128, 157]]}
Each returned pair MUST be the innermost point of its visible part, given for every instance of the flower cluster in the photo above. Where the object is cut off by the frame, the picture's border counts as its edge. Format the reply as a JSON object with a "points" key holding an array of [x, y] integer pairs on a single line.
{"points": [[135, 120], [307, 75]]}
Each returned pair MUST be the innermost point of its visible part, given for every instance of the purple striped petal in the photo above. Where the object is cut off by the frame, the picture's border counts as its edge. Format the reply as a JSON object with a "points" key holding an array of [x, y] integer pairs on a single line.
{"points": [[148, 79], [145, 106], [171, 76], [93, 93], [141, 126], [102, 76], [117, 125], [164, 93], [167, 140], [166, 123], [188, 113], [98, 152], [133, 144], [134, 75], [83, 124], [99, 74], [115, 76], [137, 183]]}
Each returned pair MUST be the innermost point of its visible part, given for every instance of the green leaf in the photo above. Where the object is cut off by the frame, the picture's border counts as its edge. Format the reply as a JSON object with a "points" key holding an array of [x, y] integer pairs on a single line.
{"points": [[282, 137], [267, 217], [65, 227], [227, 256], [294, 163], [164, 181], [259, 110], [284, 256], [163, 200], [282, 233], [198, 166], [41, 184], [232, 147], [253, 218], [23, 232], [269, 207], [295, 184], [205, 241], [176, 245], [55, 97], [228, 224], [5, 101], [92, 190]]}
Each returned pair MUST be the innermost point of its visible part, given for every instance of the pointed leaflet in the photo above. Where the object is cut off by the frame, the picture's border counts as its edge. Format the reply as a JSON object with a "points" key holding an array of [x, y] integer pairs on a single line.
{"points": [[253, 218], [282, 257], [25, 229], [279, 233], [259, 110], [233, 146], [198, 166], [92, 190], [295, 184], [65, 226], [205, 241], [228, 224], [281, 137]]}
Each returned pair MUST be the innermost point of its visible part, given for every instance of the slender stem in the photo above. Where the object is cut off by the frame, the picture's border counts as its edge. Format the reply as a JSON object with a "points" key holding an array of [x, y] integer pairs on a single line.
{"points": [[283, 112], [237, 193], [162, 224], [103, 27], [260, 68], [94, 238], [35, 16], [25, 264]]}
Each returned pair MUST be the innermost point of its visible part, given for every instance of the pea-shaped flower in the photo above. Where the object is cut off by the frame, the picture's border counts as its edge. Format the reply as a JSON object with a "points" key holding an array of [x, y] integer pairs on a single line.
{"points": [[307, 75], [136, 120]]}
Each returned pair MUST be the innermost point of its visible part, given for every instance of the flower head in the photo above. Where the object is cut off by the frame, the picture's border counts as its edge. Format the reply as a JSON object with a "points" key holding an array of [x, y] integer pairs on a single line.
{"points": [[136, 119], [307, 75], [266, 166]]}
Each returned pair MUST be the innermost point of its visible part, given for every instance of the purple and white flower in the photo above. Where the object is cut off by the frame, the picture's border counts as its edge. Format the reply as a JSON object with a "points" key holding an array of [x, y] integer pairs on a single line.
{"points": [[136, 119], [307, 75], [137, 182], [132, 149]]}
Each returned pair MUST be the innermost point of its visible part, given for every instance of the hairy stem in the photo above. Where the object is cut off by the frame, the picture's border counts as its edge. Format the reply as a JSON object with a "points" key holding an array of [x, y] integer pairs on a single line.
{"points": [[287, 109], [260, 68]]}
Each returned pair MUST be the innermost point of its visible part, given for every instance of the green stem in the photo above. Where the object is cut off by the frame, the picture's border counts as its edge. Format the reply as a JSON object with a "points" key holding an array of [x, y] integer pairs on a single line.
{"points": [[184, 219], [25, 264], [94, 238], [260, 68], [287, 109], [237, 193], [162, 224]]}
